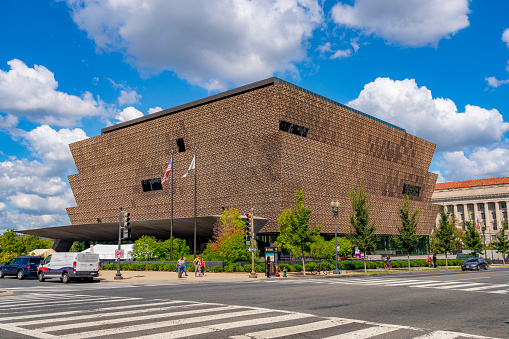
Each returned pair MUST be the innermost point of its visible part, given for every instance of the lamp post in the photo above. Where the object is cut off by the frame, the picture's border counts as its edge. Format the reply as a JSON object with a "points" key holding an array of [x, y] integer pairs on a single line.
{"points": [[335, 211], [484, 238]]}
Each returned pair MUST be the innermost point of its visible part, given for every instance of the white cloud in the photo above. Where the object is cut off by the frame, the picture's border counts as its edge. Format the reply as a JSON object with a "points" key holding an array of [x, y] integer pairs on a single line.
{"points": [[128, 97], [42, 205], [494, 82], [154, 110], [50, 144], [8, 121], [505, 37], [409, 22], [128, 113], [31, 92], [340, 54], [413, 108], [2, 206], [481, 163], [208, 43]]}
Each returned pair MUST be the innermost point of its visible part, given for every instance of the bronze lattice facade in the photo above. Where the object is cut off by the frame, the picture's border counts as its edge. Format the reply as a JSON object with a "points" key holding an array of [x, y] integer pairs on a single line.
{"points": [[256, 145]]}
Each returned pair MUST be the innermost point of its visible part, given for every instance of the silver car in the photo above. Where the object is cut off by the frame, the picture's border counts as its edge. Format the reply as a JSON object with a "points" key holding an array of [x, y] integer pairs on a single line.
{"points": [[474, 264]]}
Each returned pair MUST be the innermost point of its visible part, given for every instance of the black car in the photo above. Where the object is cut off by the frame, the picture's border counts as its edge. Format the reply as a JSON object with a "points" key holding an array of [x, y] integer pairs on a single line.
{"points": [[474, 264], [21, 267]]}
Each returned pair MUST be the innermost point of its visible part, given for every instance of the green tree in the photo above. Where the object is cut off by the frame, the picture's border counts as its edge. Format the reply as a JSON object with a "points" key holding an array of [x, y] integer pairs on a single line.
{"points": [[230, 223], [145, 248], [472, 239], [234, 249], [362, 229], [501, 244], [294, 232], [77, 246], [321, 249], [444, 237], [407, 237], [180, 249], [10, 242]]}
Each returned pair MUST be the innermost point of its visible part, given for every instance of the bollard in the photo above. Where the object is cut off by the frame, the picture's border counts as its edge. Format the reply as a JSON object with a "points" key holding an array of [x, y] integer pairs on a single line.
{"points": [[284, 272]]}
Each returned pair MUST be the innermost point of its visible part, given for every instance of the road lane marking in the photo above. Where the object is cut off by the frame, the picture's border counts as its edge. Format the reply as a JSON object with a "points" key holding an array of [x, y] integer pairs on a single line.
{"points": [[225, 326], [364, 333], [298, 329]]}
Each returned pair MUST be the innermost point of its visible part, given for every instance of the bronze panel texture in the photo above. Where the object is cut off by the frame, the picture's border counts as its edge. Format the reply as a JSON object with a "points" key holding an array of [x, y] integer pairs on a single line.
{"points": [[244, 161]]}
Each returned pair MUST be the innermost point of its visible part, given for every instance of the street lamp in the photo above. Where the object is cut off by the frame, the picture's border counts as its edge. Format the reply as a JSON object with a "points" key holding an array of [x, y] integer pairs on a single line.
{"points": [[335, 211]]}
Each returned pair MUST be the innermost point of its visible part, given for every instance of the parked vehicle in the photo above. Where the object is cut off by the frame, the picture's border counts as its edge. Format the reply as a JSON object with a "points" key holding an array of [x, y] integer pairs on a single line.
{"points": [[474, 264], [20, 267], [69, 266]]}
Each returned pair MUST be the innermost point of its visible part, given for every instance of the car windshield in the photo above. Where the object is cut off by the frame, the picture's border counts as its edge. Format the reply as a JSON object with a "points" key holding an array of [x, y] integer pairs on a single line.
{"points": [[472, 260]]}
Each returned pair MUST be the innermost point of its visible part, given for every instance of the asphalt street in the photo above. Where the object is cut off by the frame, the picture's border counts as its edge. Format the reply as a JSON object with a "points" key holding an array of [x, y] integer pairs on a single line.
{"points": [[436, 304]]}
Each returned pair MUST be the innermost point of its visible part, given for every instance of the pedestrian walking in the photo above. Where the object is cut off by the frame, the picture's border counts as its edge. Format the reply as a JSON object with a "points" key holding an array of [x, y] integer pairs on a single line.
{"points": [[181, 266], [267, 267], [388, 262], [434, 260], [429, 261], [197, 266], [202, 266]]}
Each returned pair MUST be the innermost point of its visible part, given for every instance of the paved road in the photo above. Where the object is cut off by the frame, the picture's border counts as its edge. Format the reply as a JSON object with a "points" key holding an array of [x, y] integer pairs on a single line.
{"points": [[440, 304]]}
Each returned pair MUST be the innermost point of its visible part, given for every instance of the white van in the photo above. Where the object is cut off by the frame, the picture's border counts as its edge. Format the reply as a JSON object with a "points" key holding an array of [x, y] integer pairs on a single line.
{"points": [[69, 265]]}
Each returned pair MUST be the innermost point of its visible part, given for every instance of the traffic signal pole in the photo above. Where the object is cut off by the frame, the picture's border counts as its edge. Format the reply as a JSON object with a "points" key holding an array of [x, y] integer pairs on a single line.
{"points": [[118, 276], [253, 274]]}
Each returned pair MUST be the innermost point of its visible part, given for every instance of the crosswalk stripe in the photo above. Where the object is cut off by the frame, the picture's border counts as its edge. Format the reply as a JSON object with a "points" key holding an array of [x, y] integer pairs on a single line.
{"points": [[121, 313], [135, 318], [23, 301], [485, 287], [457, 285], [364, 333], [285, 331], [32, 333], [167, 323], [224, 326], [54, 314], [438, 335]]}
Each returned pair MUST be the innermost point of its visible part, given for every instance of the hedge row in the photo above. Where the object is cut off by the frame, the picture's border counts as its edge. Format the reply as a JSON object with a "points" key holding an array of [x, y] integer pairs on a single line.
{"points": [[325, 265]]}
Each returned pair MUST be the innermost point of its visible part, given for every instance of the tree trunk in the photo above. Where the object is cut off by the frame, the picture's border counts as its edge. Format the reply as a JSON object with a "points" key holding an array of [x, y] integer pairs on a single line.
{"points": [[446, 264], [365, 268], [408, 255]]}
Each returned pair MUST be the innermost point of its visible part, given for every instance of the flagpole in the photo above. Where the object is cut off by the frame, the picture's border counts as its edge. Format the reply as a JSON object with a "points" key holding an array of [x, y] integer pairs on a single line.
{"points": [[171, 223], [195, 173]]}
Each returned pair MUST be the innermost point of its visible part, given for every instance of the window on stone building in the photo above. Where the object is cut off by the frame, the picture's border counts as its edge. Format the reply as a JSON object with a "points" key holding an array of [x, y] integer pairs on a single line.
{"points": [[460, 208], [502, 205], [504, 215], [491, 206], [151, 185], [480, 207]]}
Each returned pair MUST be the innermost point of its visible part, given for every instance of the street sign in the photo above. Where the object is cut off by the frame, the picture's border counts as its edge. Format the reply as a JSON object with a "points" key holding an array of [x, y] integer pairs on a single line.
{"points": [[339, 248], [252, 249], [119, 254]]}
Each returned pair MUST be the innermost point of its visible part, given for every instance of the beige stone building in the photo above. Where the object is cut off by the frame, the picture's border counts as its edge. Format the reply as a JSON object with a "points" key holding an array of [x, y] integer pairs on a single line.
{"points": [[484, 200]]}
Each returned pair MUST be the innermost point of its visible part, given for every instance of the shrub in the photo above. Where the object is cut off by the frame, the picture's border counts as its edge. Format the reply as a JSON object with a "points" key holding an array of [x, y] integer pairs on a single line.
{"points": [[216, 269], [233, 267], [247, 268], [289, 268], [310, 266], [260, 268], [207, 268], [170, 267], [297, 268], [190, 267]]}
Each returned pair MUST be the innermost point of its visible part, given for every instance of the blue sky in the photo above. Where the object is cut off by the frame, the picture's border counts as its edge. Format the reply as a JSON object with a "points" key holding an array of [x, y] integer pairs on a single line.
{"points": [[438, 68]]}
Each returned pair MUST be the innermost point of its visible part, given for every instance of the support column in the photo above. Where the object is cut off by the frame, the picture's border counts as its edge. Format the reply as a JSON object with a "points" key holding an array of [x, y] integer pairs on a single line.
{"points": [[498, 215], [466, 213], [476, 213], [455, 211]]}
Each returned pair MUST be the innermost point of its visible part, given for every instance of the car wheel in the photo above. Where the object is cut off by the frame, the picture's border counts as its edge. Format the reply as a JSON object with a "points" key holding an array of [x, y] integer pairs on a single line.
{"points": [[20, 274], [1, 274], [40, 275], [65, 278], [485, 267], [463, 268]]}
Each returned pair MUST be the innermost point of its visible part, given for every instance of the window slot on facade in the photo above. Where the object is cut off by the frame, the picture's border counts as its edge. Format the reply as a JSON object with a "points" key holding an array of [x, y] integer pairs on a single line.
{"points": [[180, 144], [293, 128], [151, 185], [411, 190]]}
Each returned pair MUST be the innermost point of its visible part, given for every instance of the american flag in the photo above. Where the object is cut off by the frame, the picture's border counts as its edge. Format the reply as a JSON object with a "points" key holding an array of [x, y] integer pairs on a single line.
{"points": [[478, 224], [167, 173]]}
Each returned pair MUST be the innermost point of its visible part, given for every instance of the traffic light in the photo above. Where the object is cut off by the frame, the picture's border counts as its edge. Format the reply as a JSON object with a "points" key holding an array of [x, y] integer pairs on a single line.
{"points": [[126, 233], [247, 230], [126, 217]]}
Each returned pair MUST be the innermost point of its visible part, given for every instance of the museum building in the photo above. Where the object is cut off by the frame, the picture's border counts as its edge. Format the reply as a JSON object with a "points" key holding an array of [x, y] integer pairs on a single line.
{"points": [[483, 200], [255, 146]]}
